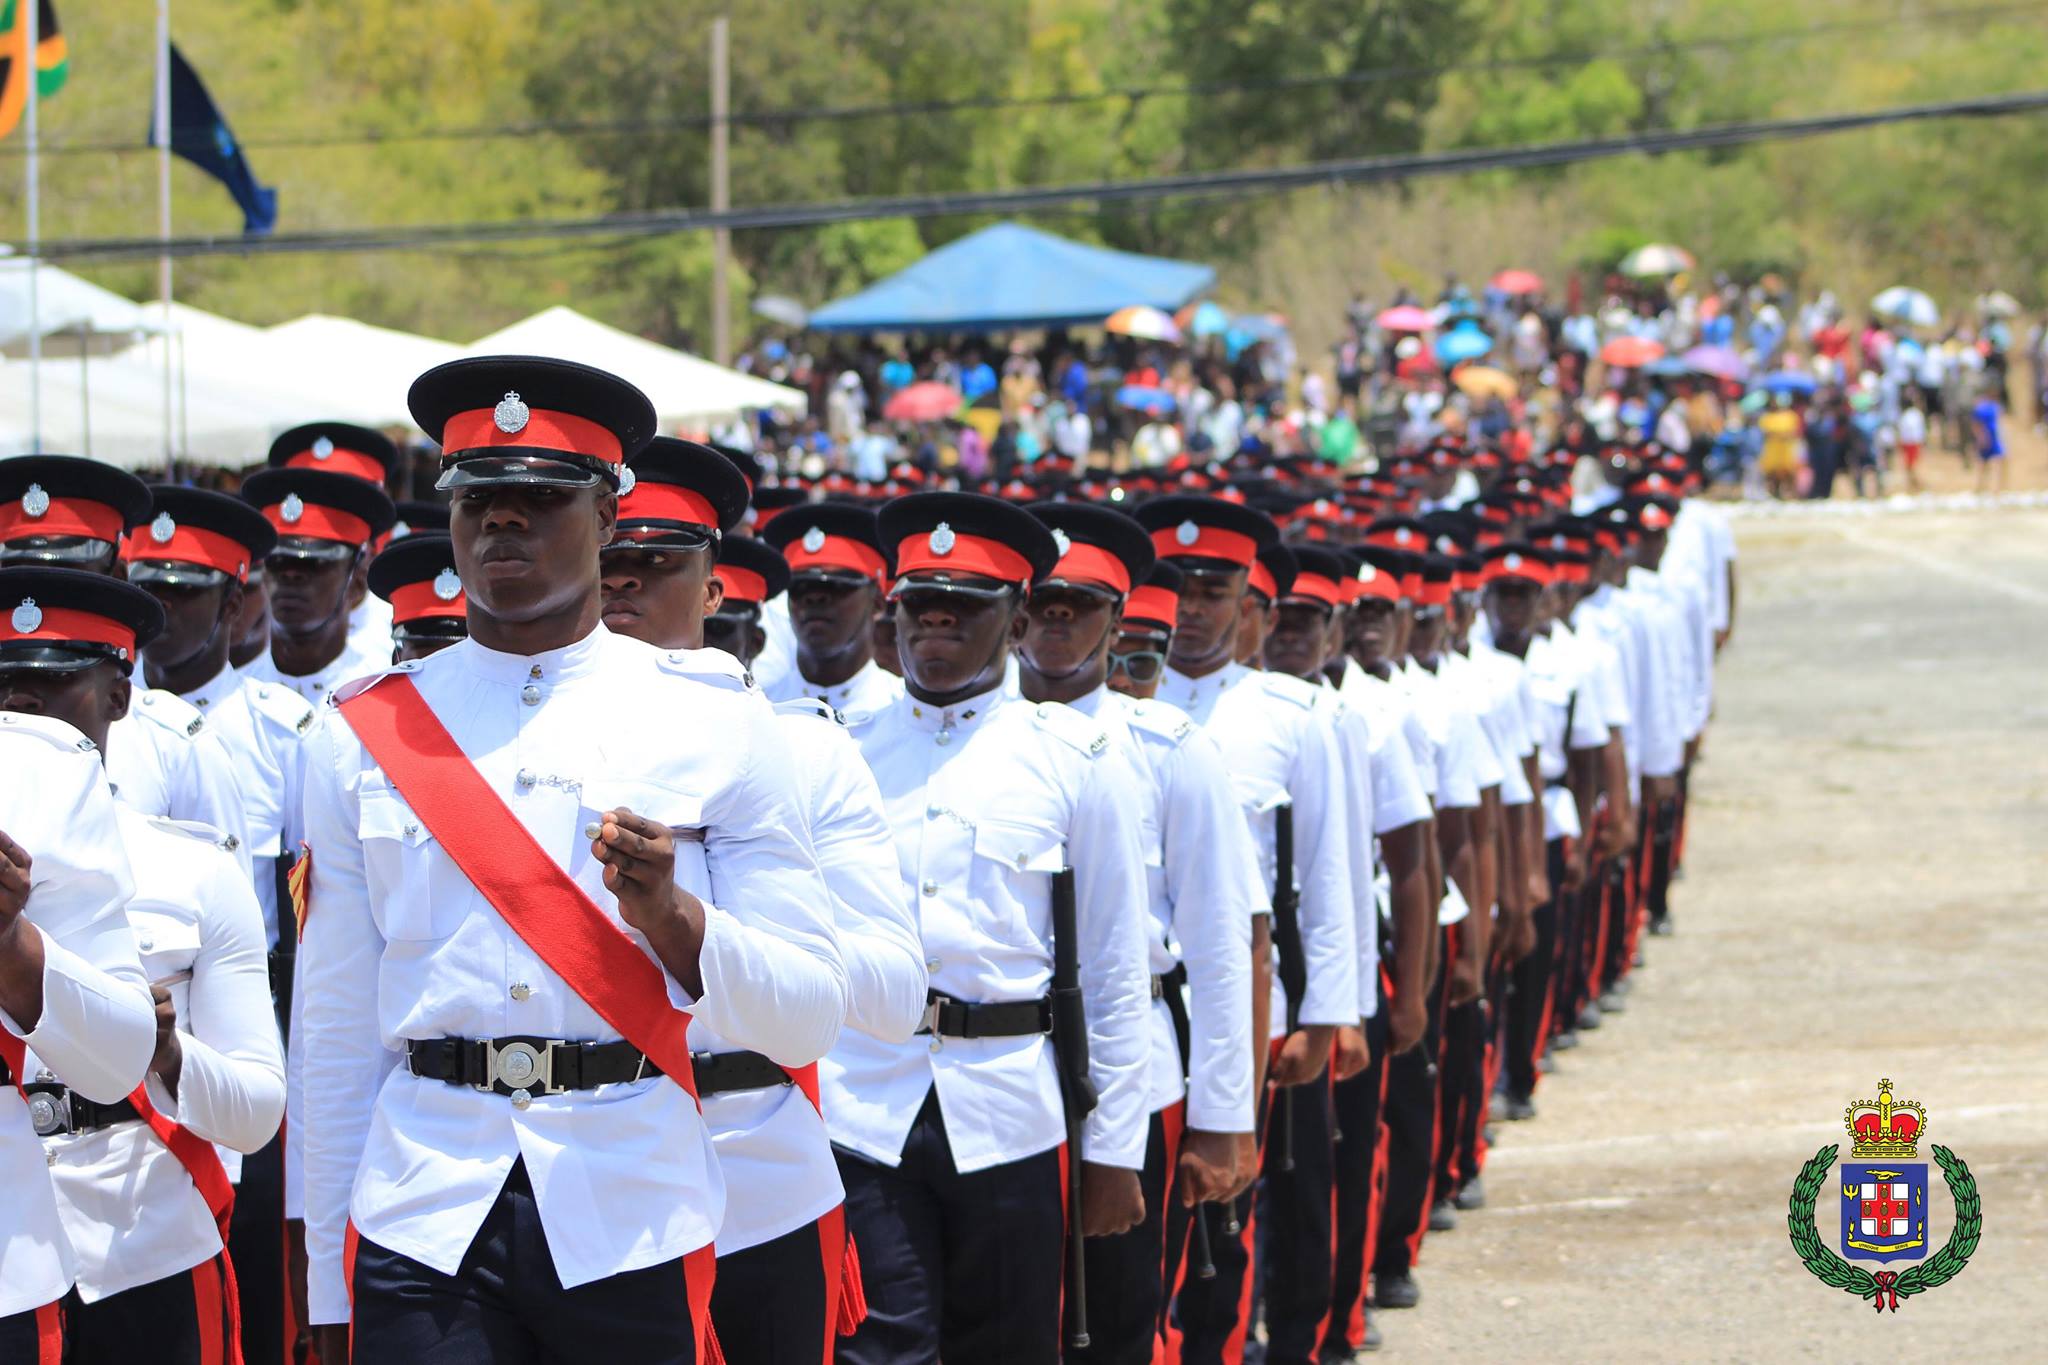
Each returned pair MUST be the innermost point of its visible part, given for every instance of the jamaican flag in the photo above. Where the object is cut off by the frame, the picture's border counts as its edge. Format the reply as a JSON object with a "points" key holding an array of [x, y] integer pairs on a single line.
{"points": [[52, 60]]}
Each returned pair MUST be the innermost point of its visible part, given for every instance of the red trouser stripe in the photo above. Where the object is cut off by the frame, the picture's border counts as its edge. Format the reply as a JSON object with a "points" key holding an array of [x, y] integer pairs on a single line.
{"points": [[49, 1334]]}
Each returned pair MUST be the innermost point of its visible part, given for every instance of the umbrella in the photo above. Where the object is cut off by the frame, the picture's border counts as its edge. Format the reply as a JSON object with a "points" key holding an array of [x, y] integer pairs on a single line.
{"points": [[1422, 362], [1789, 381], [1658, 258], [1204, 319], [1147, 324], [1667, 367], [1719, 361], [1998, 304], [1406, 317], [1144, 398], [1628, 353], [1464, 342], [783, 309], [1483, 381], [1260, 326], [923, 402], [1910, 306], [1518, 282]]}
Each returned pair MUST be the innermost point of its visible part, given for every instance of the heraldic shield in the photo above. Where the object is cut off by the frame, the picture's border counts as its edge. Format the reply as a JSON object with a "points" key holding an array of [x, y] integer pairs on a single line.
{"points": [[1884, 1210]]}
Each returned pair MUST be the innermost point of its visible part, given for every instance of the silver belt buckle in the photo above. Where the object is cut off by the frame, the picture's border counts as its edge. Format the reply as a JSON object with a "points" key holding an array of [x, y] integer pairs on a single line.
{"points": [[930, 1022], [50, 1114], [523, 1067]]}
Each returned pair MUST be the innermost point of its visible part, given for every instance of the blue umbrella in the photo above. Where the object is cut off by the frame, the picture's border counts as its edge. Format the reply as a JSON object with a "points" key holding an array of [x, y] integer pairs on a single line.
{"points": [[1144, 398], [1209, 319], [1789, 381], [1667, 367], [1463, 342]]}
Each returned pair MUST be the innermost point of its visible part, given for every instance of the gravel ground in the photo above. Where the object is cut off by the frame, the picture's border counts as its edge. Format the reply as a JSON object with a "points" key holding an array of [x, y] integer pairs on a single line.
{"points": [[1864, 898]]}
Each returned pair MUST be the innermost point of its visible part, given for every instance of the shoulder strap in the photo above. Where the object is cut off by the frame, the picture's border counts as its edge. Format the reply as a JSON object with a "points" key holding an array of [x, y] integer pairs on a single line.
{"points": [[553, 915]]}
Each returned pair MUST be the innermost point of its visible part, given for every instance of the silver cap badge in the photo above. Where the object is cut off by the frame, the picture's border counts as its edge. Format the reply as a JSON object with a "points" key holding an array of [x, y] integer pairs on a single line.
{"points": [[942, 539], [292, 508], [36, 501], [1061, 539], [628, 481], [28, 616], [510, 415], [322, 447], [814, 540], [163, 528], [1512, 562], [1187, 533], [447, 586]]}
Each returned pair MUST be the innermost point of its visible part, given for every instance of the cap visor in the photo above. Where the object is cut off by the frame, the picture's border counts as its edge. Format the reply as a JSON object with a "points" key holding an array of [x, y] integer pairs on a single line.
{"points": [[173, 574], [68, 551], [987, 589], [306, 547], [492, 471], [46, 657]]}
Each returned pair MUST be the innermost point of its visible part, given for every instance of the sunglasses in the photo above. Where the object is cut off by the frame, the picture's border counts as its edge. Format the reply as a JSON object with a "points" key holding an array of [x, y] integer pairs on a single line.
{"points": [[1142, 665]]}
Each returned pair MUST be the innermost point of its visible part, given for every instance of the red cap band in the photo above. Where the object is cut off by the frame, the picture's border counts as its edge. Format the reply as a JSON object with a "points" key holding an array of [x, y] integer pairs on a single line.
{"points": [[1093, 564], [414, 601], [340, 461], [65, 517], [1153, 606], [742, 585], [1516, 566], [835, 552], [320, 523], [1655, 518], [1395, 538], [1376, 582], [1429, 593], [1411, 585], [68, 625], [1260, 580], [1317, 588], [189, 545], [963, 554], [478, 429], [654, 501], [1209, 542]]}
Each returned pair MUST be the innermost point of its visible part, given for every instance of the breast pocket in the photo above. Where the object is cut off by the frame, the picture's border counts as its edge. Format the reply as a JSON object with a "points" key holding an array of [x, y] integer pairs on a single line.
{"points": [[681, 811], [168, 947], [1024, 855], [399, 864]]}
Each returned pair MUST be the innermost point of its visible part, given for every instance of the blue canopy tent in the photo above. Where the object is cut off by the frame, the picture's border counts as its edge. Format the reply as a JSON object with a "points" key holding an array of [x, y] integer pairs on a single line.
{"points": [[1009, 275]]}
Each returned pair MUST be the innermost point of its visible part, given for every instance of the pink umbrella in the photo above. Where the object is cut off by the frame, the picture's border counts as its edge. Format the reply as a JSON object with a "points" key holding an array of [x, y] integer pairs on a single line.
{"points": [[923, 402], [1719, 361], [1406, 317], [1630, 353], [1518, 282]]}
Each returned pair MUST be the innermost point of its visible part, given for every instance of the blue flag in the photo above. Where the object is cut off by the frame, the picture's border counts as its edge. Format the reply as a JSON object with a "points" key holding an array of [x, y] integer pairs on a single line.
{"points": [[201, 136]]}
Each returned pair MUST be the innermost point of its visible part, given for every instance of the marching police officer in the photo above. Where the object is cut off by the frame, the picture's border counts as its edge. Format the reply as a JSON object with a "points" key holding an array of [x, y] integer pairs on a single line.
{"points": [[325, 524], [415, 575], [836, 566], [359, 453]]}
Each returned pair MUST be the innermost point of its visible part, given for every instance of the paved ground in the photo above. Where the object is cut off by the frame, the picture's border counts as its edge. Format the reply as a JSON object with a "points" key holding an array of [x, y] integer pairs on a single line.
{"points": [[1866, 897]]}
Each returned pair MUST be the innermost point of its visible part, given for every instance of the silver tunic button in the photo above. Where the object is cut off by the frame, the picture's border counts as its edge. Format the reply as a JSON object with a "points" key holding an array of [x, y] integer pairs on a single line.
{"points": [[49, 1158], [521, 991], [931, 964], [930, 888], [147, 945], [412, 831], [521, 1099], [525, 778], [943, 737], [530, 695], [937, 1042]]}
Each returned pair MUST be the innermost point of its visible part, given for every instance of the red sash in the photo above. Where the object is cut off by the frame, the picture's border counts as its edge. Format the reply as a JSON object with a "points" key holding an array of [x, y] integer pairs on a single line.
{"points": [[554, 916], [14, 1052], [210, 1177]]}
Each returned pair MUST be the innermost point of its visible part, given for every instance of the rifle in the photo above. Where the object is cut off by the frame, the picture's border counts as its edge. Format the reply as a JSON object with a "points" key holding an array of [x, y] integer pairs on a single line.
{"points": [[1077, 1091], [1201, 1259], [1293, 966]]}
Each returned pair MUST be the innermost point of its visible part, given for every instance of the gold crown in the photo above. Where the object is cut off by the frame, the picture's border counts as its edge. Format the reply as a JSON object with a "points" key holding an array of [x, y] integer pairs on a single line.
{"points": [[1885, 1127]]}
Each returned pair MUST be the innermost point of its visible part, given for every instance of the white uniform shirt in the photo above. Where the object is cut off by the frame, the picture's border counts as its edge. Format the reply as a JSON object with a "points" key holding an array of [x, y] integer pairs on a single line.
{"points": [[400, 945], [777, 659], [1281, 748], [1465, 762], [1566, 714], [986, 798], [772, 1146], [1393, 718], [1650, 737], [98, 1030], [1202, 876], [1494, 683], [369, 629], [353, 662], [164, 760], [264, 727], [866, 692], [131, 1210]]}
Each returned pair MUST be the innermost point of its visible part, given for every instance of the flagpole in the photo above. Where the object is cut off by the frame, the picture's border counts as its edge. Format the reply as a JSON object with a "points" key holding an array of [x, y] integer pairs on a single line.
{"points": [[163, 210], [35, 227]]}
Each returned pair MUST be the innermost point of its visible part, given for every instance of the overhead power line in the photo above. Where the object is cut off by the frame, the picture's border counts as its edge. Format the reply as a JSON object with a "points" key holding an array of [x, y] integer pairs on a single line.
{"points": [[1231, 184], [797, 115]]}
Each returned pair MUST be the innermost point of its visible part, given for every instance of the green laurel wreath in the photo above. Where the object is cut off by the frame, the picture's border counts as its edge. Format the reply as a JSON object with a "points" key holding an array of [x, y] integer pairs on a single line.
{"points": [[1937, 1269]]}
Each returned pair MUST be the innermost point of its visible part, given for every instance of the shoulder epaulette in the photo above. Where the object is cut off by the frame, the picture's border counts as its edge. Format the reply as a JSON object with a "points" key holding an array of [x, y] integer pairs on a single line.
{"points": [[810, 706], [195, 829], [1070, 725], [170, 711], [1160, 718], [58, 734], [283, 706], [709, 665], [1292, 689], [355, 687]]}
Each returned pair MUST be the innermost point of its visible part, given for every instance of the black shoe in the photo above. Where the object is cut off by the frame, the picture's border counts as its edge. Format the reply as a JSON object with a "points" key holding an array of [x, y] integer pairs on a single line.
{"points": [[1442, 1217], [1496, 1107], [1622, 986], [1546, 1064], [1372, 1336], [1563, 1042], [1612, 1003], [1473, 1196], [1520, 1108], [1661, 926], [1395, 1291], [1639, 961], [1589, 1017]]}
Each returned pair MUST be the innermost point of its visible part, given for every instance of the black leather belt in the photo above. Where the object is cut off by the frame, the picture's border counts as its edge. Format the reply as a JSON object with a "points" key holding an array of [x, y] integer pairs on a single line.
{"points": [[522, 1067], [950, 1018], [720, 1073], [54, 1110]]}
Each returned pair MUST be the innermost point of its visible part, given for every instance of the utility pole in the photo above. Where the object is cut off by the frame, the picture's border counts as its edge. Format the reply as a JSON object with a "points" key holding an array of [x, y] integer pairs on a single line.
{"points": [[721, 238], [163, 213], [34, 73]]}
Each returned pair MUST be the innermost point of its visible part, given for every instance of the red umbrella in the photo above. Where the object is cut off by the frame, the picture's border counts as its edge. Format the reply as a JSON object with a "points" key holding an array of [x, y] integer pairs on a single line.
{"points": [[1631, 353], [1406, 317], [925, 402], [1518, 282], [1415, 366]]}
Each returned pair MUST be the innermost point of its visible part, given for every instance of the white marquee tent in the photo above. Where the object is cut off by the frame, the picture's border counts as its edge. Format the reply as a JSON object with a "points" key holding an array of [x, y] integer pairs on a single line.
{"points": [[364, 371]]}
